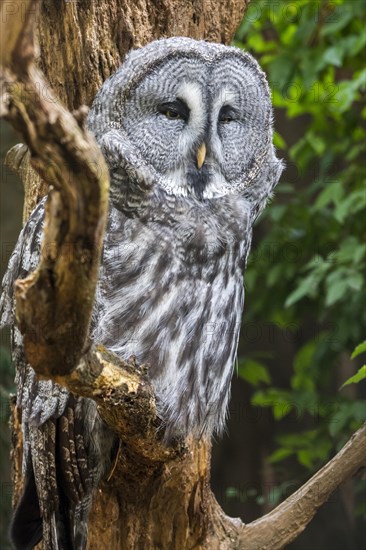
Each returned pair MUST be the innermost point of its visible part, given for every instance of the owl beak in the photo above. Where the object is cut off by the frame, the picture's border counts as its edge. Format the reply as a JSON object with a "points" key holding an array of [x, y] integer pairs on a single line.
{"points": [[201, 155]]}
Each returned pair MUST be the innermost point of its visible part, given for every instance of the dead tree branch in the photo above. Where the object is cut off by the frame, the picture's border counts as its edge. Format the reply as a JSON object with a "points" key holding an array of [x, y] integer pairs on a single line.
{"points": [[281, 526]]}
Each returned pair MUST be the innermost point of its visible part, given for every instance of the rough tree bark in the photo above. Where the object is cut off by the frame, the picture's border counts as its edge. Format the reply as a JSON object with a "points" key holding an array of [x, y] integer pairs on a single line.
{"points": [[156, 497]]}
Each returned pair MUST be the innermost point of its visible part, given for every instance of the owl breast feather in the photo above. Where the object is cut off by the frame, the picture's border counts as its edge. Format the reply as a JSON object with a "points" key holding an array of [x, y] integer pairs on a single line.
{"points": [[171, 293]]}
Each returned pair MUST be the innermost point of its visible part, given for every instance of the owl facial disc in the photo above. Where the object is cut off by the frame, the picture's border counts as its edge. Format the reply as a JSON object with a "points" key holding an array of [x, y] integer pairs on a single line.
{"points": [[191, 118]]}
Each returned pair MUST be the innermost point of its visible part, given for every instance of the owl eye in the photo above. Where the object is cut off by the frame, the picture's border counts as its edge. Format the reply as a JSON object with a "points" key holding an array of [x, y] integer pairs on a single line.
{"points": [[174, 110], [227, 114], [226, 119], [169, 113]]}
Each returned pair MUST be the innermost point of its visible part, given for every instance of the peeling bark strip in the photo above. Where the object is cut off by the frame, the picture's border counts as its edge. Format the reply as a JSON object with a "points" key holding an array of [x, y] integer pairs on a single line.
{"points": [[155, 497]]}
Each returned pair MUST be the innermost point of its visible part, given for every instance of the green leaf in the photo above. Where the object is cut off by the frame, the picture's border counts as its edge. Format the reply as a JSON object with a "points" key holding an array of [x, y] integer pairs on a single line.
{"points": [[278, 400], [346, 413], [280, 410], [278, 141], [336, 291], [348, 92], [302, 380], [306, 287], [302, 153], [332, 192], [316, 142], [350, 205], [361, 348], [351, 45], [305, 457], [334, 56], [351, 251], [288, 34], [284, 188], [253, 372], [307, 22], [355, 281], [360, 375], [280, 454]]}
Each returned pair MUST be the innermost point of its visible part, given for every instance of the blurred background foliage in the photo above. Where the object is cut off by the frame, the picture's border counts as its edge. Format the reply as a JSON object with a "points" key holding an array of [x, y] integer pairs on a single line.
{"points": [[305, 281], [311, 262], [305, 294]]}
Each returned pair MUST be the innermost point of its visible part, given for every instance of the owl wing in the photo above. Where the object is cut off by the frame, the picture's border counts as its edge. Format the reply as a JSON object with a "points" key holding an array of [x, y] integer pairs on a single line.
{"points": [[39, 400], [61, 433]]}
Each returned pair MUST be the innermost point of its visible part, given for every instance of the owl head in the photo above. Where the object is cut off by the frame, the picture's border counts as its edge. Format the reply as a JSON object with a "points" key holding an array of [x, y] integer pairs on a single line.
{"points": [[188, 118]]}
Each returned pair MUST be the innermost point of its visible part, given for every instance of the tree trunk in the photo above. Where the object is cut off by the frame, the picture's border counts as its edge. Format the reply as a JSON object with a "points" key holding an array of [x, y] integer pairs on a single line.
{"points": [[155, 507], [92, 38]]}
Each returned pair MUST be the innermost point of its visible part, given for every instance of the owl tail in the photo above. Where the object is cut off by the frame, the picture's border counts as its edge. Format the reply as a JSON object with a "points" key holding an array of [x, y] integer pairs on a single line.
{"points": [[68, 529], [63, 528]]}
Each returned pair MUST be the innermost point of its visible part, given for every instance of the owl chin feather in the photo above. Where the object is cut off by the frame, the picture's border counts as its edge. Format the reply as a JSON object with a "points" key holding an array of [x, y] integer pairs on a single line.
{"points": [[198, 180]]}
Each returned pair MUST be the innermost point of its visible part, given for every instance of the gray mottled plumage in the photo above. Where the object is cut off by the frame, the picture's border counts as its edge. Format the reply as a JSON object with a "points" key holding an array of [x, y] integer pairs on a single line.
{"points": [[171, 280]]}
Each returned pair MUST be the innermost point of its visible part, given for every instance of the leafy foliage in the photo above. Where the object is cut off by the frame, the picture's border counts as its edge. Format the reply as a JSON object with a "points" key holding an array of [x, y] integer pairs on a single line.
{"points": [[361, 373], [311, 263]]}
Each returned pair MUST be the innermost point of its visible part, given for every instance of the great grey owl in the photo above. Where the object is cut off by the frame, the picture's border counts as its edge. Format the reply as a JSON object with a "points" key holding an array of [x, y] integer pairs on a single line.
{"points": [[186, 129]]}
